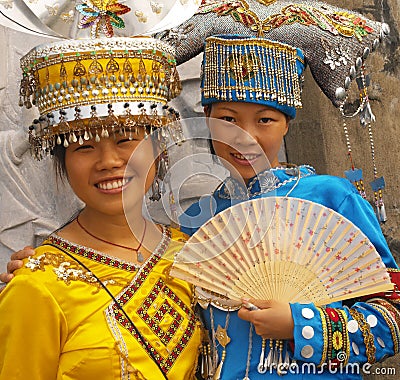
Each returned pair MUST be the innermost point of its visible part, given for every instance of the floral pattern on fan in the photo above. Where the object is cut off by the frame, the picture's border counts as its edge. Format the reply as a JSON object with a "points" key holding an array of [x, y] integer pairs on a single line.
{"points": [[281, 248]]}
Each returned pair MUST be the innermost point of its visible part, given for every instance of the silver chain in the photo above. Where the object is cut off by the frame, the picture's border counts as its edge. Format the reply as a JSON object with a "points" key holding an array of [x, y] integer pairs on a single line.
{"points": [[230, 182]]}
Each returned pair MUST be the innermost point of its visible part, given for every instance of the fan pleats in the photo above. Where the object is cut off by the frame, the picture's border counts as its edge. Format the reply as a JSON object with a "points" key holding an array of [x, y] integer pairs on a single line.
{"points": [[286, 249]]}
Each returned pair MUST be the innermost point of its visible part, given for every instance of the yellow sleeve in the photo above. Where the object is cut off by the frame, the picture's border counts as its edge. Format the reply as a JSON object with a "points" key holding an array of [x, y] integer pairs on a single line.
{"points": [[32, 331], [178, 235]]}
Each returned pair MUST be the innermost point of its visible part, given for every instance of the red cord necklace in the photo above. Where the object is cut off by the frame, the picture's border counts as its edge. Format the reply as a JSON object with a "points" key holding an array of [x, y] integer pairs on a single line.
{"points": [[139, 256]]}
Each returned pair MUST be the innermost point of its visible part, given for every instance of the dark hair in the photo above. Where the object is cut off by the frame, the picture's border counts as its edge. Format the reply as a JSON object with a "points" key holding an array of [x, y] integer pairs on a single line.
{"points": [[59, 162], [58, 154], [211, 146], [207, 111]]}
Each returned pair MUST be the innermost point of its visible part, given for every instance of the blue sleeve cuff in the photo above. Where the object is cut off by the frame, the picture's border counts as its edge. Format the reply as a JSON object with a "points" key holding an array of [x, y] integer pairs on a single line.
{"points": [[308, 333]]}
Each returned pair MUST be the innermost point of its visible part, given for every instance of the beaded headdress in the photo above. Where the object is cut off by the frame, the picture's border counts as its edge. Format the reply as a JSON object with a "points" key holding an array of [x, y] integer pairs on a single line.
{"points": [[98, 79], [252, 70], [83, 88], [335, 41]]}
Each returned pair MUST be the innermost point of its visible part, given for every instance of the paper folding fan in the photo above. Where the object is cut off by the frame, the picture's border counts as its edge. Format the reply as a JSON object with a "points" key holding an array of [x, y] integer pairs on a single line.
{"points": [[286, 249]]}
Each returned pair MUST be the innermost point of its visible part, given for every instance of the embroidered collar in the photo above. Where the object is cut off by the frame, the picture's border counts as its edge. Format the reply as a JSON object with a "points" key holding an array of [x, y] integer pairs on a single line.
{"points": [[105, 258], [263, 182]]}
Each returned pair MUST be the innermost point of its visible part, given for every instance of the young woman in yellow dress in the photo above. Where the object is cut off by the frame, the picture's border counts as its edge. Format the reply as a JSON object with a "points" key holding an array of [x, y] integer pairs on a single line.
{"points": [[94, 301]]}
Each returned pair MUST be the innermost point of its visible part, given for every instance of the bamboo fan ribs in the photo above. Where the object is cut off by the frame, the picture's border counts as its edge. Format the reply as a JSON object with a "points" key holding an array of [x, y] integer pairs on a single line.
{"points": [[280, 248]]}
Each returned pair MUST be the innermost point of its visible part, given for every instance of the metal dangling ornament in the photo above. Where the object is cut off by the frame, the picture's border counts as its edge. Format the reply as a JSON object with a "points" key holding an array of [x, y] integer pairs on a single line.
{"points": [[155, 189]]}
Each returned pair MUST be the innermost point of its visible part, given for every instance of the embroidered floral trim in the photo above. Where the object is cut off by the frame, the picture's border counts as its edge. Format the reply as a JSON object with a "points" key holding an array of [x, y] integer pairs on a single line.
{"points": [[68, 270], [209, 5], [337, 23], [91, 254], [102, 16], [338, 345]]}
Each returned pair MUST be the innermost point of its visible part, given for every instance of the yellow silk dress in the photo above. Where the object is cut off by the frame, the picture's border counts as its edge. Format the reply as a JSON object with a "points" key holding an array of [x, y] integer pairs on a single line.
{"points": [[57, 322]]}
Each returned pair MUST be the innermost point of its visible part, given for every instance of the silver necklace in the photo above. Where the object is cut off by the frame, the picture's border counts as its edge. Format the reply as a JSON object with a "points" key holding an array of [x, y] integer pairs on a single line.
{"points": [[232, 189]]}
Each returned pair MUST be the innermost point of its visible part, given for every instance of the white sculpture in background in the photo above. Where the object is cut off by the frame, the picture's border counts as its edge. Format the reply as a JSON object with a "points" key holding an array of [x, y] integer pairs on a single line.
{"points": [[29, 208]]}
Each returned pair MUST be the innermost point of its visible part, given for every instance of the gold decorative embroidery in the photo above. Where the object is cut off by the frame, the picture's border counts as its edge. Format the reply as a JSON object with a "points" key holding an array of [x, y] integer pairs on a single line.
{"points": [[133, 373], [394, 329], [367, 335], [39, 262], [344, 23], [266, 2], [325, 337]]}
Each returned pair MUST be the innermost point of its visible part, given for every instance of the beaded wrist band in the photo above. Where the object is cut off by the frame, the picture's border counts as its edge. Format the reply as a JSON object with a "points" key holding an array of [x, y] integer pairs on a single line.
{"points": [[367, 335], [337, 338], [393, 327], [325, 336]]}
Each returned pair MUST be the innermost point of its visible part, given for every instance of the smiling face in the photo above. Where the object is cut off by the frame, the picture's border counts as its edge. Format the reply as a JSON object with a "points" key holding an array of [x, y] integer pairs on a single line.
{"points": [[252, 143], [98, 171]]}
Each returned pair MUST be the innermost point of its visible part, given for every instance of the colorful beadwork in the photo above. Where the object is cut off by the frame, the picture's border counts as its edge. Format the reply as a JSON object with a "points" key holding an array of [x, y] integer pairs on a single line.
{"points": [[102, 16], [337, 336], [164, 303], [367, 335], [344, 23]]}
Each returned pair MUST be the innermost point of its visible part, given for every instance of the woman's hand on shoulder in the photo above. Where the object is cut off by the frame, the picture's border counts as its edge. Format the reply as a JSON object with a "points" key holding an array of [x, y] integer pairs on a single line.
{"points": [[272, 320], [16, 263]]}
